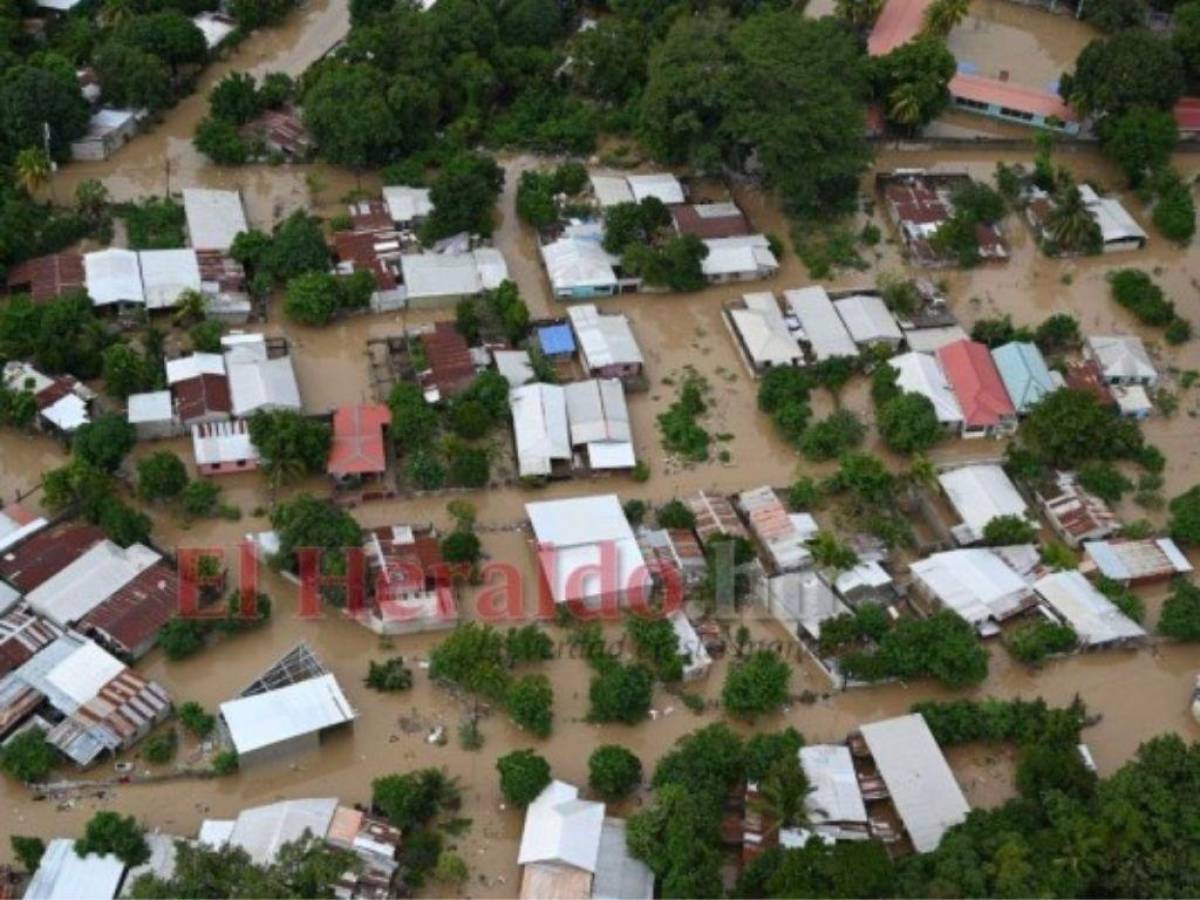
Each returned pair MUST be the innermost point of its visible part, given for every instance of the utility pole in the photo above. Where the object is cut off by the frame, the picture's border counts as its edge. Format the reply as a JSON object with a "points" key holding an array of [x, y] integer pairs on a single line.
{"points": [[167, 165], [49, 159]]}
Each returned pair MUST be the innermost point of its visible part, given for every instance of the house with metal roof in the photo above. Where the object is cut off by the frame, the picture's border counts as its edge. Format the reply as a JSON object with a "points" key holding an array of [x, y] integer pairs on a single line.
{"points": [[919, 781], [587, 552], [598, 420], [660, 185], [46, 277], [515, 366], [1011, 102], [75, 590], [407, 206], [869, 321], [223, 447], [62, 874], [977, 583], [802, 602], [1135, 561], [23, 633], [214, 217], [610, 189], [63, 404], [763, 337], [257, 380], [919, 373], [442, 279], [980, 493], [1024, 372], [775, 529], [1122, 359], [1076, 515], [539, 419], [358, 449], [822, 328], [710, 220], [579, 268], [289, 709], [556, 340], [152, 415], [835, 806], [409, 583], [17, 523], [166, 274], [971, 372], [715, 517], [570, 849], [607, 347], [745, 257], [1095, 619], [1118, 229]]}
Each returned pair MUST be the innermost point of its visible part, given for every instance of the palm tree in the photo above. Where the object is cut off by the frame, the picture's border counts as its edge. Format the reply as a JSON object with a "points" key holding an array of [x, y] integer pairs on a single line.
{"points": [[32, 169], [1070, 223], [904, 106], [943, 15], [782, 795], [191, 306], [283, 470], [115, 12], [860, 14]]}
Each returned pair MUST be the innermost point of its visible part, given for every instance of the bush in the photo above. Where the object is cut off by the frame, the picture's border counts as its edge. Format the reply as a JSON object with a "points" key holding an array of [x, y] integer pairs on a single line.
{"points": [[531, 704], [161, 748], [225, 762], [675, 514], [1180, 617], [1134, 290], [29, 756], [109, 832], [1033, 642], [1178, 332], [994, 721], [1175, 212], [28, 851], [1004, 531], [681, 432], [830, 438], [804, 494], [523, 775], [944, 646], [756, 685], [620, 693], [613, 771], [1104, 480], [527, 644], [392, 675], [193, 717]]}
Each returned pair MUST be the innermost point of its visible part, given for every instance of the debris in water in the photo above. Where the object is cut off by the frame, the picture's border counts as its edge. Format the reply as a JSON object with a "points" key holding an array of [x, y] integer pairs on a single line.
{"points": [[437, 736]]}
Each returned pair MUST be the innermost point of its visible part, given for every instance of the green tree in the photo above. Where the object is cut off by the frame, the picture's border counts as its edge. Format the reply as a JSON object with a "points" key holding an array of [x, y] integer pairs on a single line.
{"points": [[234, 98], [27, 850], [31, 170], [909, 423], [414, 421], [411, 800], [305, 522], [219, 140], [31, 97], [1140, 141], [390, 675], [620, 693], [28, 756], [912, 80], [161, 476], [110, 832], [943, 16], [1115, 15], [613, 771], [181, 637], [472, 657], [196, 720], [296, 247], [523, 775], [133, 78], [104, 442], [1131, 68], [1175, 210], [756, 685], [290, 443], [1180, 617], [1006, 530], [126, 371], [530, 702], [1069, 427], [169, 35], [841, 432], [463, 195]]}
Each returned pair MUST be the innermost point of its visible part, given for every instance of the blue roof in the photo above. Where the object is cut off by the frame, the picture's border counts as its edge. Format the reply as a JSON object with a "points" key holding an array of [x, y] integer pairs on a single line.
{"points": [[556, 339], [1024, 373]]}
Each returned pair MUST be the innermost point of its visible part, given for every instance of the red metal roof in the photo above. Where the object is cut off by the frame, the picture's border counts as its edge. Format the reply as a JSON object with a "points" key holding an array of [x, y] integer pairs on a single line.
{"points": [[135, 614], [976, 383], [358, 440], [449, 358], [15, 512], [688, 220], [1187, 115], [47, 277], [899, 23], [371, 215], [1011, 96], [34, 560], [1086, 376], [201, 396], [376, 251], [225, 271], [22, 634]]}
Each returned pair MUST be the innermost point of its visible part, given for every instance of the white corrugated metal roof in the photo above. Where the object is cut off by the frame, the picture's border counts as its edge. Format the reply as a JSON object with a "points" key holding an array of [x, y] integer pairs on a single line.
{"points": [[803, 600], [65, 875], [215, 443], [113, 276], [573, 530], [823, 328], [406, 203], [930, 340], [84, 672], [619, 875], [605, 339], [493, 268], [214, 218], [919, 373], [1122, 357], [835, 793], [980, 493], [514, 365], [663, 185], [868, 319], [166, 274], [539, 414], [1095, 618], [440, 274], [264, 384], [187, 367], [153, 406], [763, 331], [917, 776], [738, 255], [578, 263], [561, 828], [274, 717], [974, 582], [610, 189], [67, 413], [1116, 224], [72, 592], [262, 830]]}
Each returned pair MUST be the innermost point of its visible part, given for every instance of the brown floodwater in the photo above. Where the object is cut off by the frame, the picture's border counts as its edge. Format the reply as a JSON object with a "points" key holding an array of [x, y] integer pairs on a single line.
{"points": [[1137, 694]]}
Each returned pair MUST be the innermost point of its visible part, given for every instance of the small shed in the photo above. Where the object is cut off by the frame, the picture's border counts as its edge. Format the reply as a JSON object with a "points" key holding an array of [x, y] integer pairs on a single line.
{"points": [[556, 341], [152, 416]]}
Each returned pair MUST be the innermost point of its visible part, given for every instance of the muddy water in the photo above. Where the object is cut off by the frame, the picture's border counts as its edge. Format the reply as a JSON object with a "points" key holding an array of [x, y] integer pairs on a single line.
{"points": [[163, 160], [1006, 40]]}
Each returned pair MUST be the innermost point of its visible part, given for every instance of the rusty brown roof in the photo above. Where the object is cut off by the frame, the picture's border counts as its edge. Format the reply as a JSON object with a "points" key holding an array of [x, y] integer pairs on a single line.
{"points": [[138, 611], [200, 396], [31, 562]]}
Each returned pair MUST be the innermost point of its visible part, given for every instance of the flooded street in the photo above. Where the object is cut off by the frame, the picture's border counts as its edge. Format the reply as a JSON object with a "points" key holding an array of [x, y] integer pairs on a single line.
{"points": [[1138, 694]]}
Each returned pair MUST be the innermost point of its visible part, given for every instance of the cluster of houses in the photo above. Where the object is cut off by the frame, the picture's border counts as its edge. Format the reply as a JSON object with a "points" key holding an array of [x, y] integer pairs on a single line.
{"points": [[976, 392], [153, 280], [74, 609], [259, 831], [579, 268]]}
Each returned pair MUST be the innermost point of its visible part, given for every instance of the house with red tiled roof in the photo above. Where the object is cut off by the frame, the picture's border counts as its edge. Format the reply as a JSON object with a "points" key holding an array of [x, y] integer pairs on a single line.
{"points": [[47, 277], [358, 450], [451, 365], [979, 389]]}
